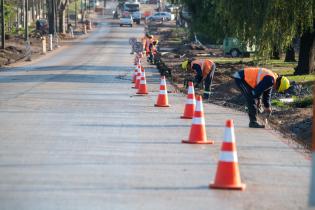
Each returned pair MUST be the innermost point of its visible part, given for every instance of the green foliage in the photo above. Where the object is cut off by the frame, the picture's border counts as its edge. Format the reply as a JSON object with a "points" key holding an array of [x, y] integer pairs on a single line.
{"points": [[302, 78], [8, 11], [303, 102], [269, 24], [280, 104]]}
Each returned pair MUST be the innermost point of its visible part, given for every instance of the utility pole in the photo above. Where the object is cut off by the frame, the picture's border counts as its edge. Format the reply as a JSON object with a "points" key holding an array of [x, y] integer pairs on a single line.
{"points": [[2, 25]]}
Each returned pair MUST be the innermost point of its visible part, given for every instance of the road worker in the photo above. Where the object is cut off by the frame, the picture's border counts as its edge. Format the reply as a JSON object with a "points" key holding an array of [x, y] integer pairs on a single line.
{"points": [[146, 41], [203, 71], [256, 84], [153, 50]]}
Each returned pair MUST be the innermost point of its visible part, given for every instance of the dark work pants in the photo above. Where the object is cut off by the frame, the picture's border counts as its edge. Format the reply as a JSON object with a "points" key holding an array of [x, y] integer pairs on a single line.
{"points": [[208, 80], [251, 104]]}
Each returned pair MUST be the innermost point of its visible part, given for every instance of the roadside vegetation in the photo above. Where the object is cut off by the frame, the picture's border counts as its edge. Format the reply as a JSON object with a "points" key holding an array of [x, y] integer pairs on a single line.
{"points": [[283, 37]]}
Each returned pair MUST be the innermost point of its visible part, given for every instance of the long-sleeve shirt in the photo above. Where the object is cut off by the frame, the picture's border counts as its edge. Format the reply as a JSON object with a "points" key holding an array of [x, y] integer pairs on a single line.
{"points": [[198, 70], [263, 89]]}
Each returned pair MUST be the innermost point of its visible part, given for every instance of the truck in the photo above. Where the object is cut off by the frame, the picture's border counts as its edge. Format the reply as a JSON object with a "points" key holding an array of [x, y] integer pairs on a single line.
{"points": [[134, 9], [234, 47]]}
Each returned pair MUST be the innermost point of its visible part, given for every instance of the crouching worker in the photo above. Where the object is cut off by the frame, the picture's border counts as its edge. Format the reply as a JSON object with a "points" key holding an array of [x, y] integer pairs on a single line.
{"points": [[203, 71], [256, 84]]}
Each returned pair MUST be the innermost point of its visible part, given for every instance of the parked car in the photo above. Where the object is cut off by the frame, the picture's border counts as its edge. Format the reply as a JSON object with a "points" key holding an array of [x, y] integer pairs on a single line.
{"points": [[126, 19], [160, 16]]}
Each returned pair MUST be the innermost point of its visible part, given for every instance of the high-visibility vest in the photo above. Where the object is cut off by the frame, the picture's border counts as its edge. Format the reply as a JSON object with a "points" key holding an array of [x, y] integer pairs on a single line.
{"points": [[205, 65], [253, 75], [147, 43]]}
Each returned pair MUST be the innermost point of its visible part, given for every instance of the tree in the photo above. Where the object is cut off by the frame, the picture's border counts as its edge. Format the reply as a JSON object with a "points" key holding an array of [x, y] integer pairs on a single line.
{"points": [[61, 6], [269, 24]]}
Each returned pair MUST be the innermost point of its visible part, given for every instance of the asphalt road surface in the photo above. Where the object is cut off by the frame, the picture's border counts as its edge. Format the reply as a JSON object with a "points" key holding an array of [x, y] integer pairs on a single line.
{"points": [[74, 136]]}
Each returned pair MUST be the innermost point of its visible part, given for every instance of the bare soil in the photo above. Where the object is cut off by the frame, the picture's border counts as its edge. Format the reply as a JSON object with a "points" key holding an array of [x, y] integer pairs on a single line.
{"points": [[15, 46], [293, 123]]}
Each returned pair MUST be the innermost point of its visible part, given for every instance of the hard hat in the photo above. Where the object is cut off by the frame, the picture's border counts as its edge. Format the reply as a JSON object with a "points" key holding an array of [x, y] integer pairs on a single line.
{"points": [[284, 84], [185, 64]]}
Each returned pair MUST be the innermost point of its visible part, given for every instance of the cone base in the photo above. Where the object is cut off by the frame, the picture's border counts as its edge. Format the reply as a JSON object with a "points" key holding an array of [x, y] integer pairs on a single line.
{"points": [[197, 142], [156, 105], [228, 187], [185, 117], [139, 94]]}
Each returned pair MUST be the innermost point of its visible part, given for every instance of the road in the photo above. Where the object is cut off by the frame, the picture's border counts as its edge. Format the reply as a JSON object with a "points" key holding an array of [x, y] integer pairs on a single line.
{"points": [[74, 136]]}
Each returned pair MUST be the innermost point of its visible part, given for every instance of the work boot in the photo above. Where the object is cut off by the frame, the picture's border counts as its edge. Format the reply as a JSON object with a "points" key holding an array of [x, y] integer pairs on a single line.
{"points": [[255, 124], [205, 96]]}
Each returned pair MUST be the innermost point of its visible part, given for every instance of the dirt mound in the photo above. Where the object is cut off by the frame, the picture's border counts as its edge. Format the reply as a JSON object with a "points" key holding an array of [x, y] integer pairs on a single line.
{"points": [[292, 122]]}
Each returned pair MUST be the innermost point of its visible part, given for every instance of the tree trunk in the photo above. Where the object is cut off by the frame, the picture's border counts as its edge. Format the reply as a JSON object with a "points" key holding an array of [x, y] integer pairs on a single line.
{"points": [[275, 54], [61, 12], [290, 55], [306, 64], [33, 11], [51, 16], [62, 28]]}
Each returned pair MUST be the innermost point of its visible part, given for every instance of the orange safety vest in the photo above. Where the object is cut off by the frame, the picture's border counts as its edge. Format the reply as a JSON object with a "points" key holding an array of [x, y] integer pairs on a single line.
{"points": [[147, 43], [205, 66], [254, 75]]}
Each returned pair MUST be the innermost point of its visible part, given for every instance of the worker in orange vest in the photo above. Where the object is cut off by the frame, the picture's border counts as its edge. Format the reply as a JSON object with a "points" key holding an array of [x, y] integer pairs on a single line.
{"points": [[146, 41], [153, 50], [203, 70], [256, 84]]}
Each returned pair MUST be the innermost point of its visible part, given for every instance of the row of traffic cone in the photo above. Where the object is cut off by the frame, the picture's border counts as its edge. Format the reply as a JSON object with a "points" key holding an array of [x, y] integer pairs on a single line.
{"points": [[140, 83], [227, 175]]}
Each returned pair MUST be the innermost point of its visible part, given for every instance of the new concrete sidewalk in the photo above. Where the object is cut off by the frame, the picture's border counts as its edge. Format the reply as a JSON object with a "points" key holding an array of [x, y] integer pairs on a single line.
{"points": [[275, 171], [73, 135]]}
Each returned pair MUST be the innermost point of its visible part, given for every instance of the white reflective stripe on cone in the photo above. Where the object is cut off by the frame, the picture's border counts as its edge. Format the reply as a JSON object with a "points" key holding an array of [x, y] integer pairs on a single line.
{"points": [[163, 92], [228, 156], [199, 106], [142, 82], [229, 135], [190, 101], [191, 90], [163, 82], [198, 121]]}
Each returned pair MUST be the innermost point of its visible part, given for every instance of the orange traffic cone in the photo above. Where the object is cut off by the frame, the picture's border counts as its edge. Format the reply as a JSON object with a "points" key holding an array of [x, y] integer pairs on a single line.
{"points": [[134, 75], [162, 100], [143, 90], [228, 175], [190, 103], [138, 78], [198, 129]]}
